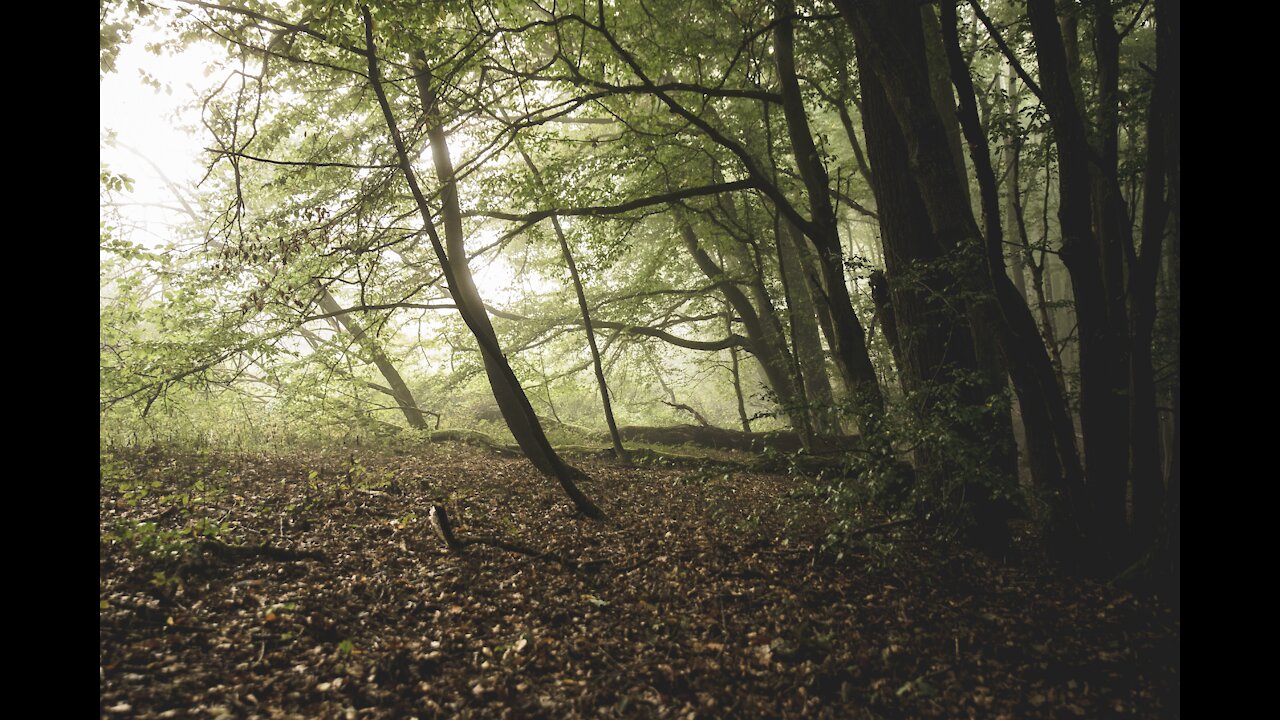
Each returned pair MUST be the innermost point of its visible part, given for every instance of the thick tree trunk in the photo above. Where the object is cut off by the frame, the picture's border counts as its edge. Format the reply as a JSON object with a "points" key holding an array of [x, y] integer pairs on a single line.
{"points": [[1104, 367], [940, 89], [1169, 77], [889, 33], [983, 315], [935, 339], [1069, 25], [926, 328], [1114, 234]]}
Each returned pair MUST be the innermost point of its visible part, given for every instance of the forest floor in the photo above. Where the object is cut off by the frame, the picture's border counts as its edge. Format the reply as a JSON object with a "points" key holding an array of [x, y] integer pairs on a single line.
{"points": [[311, 585]]}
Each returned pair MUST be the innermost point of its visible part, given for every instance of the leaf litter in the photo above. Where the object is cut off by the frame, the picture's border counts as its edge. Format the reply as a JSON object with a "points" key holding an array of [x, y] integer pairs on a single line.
{"points": [[310, 585]]}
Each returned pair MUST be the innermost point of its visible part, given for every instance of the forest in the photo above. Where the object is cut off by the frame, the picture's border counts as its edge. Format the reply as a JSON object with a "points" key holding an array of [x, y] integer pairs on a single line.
{"points": [[640, 358]]}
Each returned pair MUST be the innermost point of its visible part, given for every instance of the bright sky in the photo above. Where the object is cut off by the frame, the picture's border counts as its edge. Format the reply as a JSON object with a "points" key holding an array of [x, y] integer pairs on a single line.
{"points": [[153, 122]]}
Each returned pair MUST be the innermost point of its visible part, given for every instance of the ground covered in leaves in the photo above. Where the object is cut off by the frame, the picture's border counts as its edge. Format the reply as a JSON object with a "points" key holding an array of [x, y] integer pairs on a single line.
{"points": [[311, 586]]}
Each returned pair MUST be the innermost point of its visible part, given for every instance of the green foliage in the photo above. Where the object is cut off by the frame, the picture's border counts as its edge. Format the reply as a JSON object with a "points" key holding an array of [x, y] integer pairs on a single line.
{"points": [[149, 538], [168, 352], [960, 470], [702, 475], [184, 508], [114, 182]]}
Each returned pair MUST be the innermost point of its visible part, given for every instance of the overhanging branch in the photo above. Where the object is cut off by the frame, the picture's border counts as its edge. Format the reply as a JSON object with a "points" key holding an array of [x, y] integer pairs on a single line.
{"points": [[683, 194]]}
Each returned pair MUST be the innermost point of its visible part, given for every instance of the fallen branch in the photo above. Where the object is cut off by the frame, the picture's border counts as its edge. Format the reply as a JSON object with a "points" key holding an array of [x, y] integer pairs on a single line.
{"points": [[440, 523], [474, 437], [221, 549]]}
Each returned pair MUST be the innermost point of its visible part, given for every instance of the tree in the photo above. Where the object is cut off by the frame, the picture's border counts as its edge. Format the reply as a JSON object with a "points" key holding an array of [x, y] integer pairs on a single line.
{"points": [[514, 404]]}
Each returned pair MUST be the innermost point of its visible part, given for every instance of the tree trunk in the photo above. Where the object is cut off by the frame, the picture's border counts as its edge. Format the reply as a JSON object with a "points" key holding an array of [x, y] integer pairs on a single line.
{"points": [[983, 310], [883, 299], [1069, 25], [748, 267], [802, 383], [850, 347], [1114, 233], [940, 88], [926, 329], [1144, 268], [373, 351], [764, 340], [510, 396], [935, 340], [804, 331], [1169, 76], [889, 34], [618, 449], [1013, 154], [1039, 282], [736, 375], [1104, 368]]}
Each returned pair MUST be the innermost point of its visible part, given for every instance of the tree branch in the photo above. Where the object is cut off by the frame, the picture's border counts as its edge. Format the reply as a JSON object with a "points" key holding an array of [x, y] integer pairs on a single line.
{"points": [[1008, 52], [534, 217], [298, 163]]}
